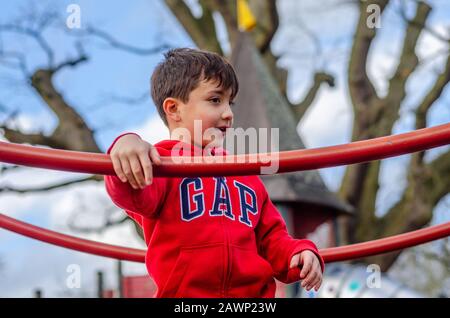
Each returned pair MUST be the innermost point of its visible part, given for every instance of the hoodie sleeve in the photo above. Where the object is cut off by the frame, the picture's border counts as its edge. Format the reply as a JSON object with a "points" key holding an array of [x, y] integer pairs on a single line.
{"points": [[145, 202], [277, 246]]}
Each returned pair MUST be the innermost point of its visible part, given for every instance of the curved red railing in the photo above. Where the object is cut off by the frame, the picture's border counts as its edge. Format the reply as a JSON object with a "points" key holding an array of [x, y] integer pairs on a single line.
{"points": [[71, 242], [329, 255], [387, 244], [296, 160], [356, 152]]}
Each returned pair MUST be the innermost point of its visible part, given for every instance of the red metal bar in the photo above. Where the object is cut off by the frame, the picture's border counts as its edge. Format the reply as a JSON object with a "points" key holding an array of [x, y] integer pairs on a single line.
{"points": [[387, 244], [333, 254], [296, 160], [71, 242]]}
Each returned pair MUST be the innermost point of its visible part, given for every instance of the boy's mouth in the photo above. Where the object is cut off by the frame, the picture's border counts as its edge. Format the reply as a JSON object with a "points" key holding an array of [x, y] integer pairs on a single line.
{"points": [[223, 129]]}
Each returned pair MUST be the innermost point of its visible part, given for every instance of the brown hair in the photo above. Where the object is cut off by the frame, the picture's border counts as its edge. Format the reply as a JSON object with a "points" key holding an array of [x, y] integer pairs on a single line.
{"points": [[183, 69]]}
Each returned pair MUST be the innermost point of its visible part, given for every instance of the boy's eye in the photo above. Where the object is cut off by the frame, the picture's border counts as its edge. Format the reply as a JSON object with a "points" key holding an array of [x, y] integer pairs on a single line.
{"points": [[215, 100]]}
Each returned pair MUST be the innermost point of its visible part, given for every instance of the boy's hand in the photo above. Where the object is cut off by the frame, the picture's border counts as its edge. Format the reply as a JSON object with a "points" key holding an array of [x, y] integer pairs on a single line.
{"points": [[132, 159], [311, 272]]}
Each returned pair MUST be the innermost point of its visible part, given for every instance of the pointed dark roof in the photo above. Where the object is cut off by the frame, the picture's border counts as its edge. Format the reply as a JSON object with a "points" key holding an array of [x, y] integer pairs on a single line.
{"points": [[260, 104]]}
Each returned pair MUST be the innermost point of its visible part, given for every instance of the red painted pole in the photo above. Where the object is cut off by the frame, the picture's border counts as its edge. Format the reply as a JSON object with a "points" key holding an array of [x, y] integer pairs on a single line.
{"points": [[296, 160], [329, 255], [387, 244], [71, 242]]}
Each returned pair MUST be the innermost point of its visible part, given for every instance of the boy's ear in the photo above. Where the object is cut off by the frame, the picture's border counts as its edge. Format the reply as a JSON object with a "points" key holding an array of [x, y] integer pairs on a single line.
{"points": [[171, 108]]}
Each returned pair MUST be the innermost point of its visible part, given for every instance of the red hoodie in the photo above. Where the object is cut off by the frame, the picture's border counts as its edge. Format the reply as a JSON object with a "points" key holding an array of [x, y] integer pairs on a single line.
{"points": [[210, 236]]}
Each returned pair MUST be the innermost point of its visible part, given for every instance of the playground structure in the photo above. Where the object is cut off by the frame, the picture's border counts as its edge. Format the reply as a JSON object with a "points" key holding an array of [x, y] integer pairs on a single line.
{"points": [[355, 152]]}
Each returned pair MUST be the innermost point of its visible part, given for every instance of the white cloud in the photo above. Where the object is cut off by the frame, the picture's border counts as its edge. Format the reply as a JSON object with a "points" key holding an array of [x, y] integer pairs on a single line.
{"points": [[430, 45], [328, 120]]}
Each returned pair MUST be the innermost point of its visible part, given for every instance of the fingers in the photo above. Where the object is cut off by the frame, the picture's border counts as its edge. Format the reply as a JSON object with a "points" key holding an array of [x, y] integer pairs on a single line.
{"points": [[146, 168], [295, 261], [118, 169], [137, 171], [154, 155], [307, 265], [313, 280], [127, 170], [308, 281], [311, 273], [318, 283], [135, 164], [146, 163]]}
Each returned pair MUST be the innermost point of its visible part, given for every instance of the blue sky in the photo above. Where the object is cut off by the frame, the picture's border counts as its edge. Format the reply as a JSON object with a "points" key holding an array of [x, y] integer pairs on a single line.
{"points": [[146, 24]]}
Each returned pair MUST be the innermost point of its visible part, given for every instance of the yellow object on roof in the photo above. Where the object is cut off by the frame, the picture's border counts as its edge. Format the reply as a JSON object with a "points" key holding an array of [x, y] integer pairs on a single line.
{"points": [[246, 20]]}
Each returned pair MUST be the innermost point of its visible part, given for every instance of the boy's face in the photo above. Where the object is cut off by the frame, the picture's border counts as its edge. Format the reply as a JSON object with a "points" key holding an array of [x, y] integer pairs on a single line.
{"points": [[209, 105]]}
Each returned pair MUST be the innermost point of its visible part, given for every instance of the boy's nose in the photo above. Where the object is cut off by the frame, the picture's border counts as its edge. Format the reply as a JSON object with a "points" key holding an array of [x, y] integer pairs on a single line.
{"points": [[228, 114]]}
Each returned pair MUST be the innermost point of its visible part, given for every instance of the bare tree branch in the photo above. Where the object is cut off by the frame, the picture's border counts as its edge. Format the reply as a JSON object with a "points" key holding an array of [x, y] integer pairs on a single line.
{"points": [[72, 131], [110, 99], [7, 168], [108, 38], [227, 10], [34, 139], [433, 95], [70, 122], [70, 63], [427, 185], [41, 80], [5, 189], [195, 27], [275, 22], [375, 117], [319, 78], [362, 91], [19, 57], [109, 218], [34, 34], [129, 100], [15, 135], [408, 61], [418, 24], [437, 178], [98, 230]]}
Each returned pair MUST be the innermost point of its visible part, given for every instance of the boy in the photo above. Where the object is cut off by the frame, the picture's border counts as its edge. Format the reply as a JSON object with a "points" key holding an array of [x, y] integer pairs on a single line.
{"points": [[206, 236]]}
